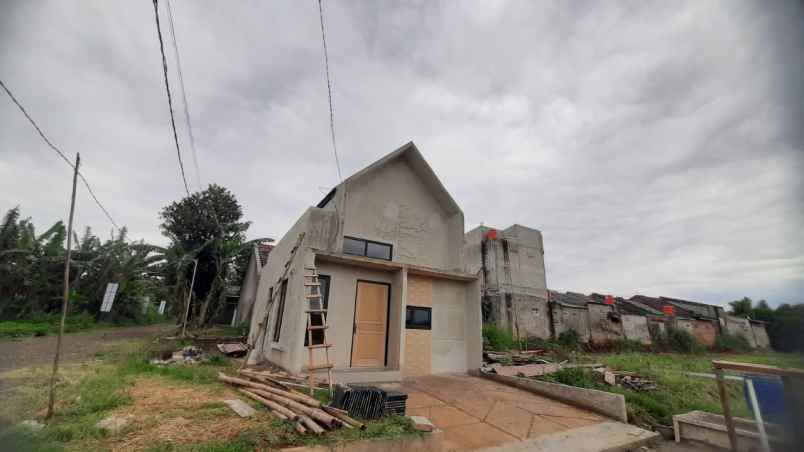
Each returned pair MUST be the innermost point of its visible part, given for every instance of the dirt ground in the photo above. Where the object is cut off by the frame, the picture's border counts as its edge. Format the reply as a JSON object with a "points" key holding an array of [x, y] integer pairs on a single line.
{"points": [[38, 351]]}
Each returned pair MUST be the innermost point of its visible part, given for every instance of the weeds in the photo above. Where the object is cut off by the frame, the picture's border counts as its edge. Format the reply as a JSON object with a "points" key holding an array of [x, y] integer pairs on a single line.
{"points": [[677, 340], [498, 338], [727, 342]]}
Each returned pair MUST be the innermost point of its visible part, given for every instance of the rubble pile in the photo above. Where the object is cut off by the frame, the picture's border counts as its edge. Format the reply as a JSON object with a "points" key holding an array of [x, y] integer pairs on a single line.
{"points": [[188, 355]]}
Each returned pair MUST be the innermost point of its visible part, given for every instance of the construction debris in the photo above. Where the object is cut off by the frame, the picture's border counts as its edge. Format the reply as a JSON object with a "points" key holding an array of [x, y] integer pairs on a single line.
{"points": [[307, 413], [240, 407], [422, 424], [637, 383], [234, 349], [528, 370], [187, 355], [113, 424]]}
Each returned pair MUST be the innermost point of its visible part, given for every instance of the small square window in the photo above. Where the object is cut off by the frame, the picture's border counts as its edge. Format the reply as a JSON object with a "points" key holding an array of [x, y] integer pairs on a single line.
{"points": [[378, 250], [354, 246], [418, 318]]}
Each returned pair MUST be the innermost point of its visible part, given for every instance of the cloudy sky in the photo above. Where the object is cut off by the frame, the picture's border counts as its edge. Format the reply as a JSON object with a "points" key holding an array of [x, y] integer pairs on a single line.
{"points": [[659, 146]]}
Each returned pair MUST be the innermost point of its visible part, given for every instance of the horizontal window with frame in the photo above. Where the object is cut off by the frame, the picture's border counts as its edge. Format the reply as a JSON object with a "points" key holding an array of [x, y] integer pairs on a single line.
{"points": [[367, 248], [418, 318]]}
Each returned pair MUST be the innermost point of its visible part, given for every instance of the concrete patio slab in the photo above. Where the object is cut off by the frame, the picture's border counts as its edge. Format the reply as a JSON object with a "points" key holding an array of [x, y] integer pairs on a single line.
{"points": [[477, 413]]}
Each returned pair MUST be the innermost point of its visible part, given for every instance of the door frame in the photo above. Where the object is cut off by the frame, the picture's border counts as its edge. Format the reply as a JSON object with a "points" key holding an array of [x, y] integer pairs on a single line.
{"points": [[387, 319]]}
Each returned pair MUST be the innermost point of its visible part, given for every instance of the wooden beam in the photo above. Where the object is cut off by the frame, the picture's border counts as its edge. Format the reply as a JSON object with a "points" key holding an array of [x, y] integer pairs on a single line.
{"points": [[759, 369]]}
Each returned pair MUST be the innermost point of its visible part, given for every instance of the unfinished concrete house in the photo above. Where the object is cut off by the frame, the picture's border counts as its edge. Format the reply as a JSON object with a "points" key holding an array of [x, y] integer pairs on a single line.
{"points": [[387, 248], [513, 285], [248, 290]]}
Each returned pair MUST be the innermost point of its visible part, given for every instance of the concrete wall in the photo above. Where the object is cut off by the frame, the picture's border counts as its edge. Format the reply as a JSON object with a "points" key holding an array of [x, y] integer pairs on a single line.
{"points": [[705, 331], [449, 326], [566, 317], [740, 327], [635, 327], [248, 291], [393, 205], [760, 335], [603, 329]]}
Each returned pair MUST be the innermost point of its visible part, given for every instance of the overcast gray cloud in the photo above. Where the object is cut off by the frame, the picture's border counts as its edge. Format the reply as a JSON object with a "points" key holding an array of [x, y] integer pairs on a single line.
{"points": [[659, 146]]}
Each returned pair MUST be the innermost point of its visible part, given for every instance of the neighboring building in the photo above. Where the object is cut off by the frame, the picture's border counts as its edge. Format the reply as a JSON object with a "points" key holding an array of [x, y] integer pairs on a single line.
{"points": [[513, 285], [248, 291], [388, 244]]}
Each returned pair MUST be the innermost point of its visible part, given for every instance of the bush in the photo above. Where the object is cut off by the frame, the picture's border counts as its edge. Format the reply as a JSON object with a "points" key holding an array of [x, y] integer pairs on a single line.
{"points": [[569, 339], [728, 342], [497, 338], [677, 340]]}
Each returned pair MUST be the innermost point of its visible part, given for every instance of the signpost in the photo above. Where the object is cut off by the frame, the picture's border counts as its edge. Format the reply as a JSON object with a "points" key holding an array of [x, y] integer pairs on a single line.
{"points": [[162, 307], [108, 297]]}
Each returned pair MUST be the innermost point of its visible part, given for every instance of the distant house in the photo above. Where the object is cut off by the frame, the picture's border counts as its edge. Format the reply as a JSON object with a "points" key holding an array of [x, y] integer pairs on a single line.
{"points": [[387, 244], [510, 263], [248, 291]]}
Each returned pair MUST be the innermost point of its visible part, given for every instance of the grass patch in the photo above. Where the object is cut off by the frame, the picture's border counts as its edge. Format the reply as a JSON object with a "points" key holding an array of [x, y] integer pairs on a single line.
{"points": [[498, 338], [727, 342], [676, 391], [47, 325]]}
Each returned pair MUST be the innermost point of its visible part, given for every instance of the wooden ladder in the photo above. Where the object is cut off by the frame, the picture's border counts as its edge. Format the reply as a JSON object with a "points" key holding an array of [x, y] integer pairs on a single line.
{"points": [[315, 306]]}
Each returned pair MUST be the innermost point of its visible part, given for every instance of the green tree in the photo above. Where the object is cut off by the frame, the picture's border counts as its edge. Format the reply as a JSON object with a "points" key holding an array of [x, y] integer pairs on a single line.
{"points": [[207, 225], [742, 308]]}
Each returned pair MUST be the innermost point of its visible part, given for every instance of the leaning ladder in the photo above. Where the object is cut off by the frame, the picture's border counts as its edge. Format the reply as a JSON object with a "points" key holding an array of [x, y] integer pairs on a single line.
{"points": [[315, 306]]}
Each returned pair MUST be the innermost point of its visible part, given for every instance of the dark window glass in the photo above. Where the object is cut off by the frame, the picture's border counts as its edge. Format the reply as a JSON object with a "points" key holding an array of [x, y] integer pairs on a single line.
{"points": [[418, 318], [318, 319], [354, 246], [361, 247], [280, 310], [378, 250]]}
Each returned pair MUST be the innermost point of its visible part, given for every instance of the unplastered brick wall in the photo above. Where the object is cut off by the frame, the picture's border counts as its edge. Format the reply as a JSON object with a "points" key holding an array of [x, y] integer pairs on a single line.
{"points": [[418, 343]]}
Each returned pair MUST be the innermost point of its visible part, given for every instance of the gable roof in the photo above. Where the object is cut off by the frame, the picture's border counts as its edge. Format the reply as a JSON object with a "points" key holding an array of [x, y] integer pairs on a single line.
{"points": [[416, 160], [263, 250]]}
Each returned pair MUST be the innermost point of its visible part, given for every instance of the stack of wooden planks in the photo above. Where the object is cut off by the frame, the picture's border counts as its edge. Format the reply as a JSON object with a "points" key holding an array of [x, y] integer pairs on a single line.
{"points": [[273, 391]]}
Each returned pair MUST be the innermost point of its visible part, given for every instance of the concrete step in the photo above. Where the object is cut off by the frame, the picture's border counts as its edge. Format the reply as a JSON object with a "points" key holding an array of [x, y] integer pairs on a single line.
{"points": [[606, 436]]}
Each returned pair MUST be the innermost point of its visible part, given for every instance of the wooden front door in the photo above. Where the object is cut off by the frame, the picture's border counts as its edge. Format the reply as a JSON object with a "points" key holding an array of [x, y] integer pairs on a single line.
{"points": [[371, 324]]}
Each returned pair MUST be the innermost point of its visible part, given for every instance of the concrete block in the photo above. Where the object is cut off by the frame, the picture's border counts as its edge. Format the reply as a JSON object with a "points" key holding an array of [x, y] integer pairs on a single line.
{"points": [[241, 408], [601, 402], [422, 424]]}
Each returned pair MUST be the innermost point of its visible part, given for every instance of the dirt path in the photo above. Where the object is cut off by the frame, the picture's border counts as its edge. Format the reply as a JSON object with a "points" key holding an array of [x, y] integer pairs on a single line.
{"points": [[38, 351]]}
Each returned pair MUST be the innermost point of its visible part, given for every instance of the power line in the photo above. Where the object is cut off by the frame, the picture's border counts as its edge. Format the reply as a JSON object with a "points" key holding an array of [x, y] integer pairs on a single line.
{"points": [[329, 91], [170, 99], [184, 95], [58, 151]]}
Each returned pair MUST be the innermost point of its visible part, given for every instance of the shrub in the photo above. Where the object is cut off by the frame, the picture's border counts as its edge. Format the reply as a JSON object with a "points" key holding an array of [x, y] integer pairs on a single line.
{"points": [[569, 339], [498, 338], [728, 342], [677, 340]]}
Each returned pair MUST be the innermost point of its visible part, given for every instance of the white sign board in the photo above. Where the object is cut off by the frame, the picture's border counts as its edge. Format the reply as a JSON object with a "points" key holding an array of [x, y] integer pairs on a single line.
{"points": [[108, 297], [162, 307]]}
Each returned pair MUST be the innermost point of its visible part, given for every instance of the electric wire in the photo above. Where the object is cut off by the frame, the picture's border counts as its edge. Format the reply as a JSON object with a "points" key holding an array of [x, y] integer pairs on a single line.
{"points": [[184, 96], [60, 153], [170, 99], [329, 91]]}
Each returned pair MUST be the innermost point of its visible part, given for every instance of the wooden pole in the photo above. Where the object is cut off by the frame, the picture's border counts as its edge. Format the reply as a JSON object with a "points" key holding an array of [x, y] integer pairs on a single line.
{"points": [[66, 294], [189, 298], [724, 399]]}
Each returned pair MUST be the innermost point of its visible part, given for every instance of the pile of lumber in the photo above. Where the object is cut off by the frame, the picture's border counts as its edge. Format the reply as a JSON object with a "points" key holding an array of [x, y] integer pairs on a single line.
{"points": [[307, 414]]}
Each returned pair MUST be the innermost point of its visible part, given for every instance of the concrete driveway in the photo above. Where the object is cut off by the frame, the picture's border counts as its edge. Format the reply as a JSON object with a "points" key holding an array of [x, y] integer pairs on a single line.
{"points": [[476, 413]]}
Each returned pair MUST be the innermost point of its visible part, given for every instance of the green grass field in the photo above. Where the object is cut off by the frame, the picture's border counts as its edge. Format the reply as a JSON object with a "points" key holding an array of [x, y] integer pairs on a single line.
{"points": [[676, 391]]}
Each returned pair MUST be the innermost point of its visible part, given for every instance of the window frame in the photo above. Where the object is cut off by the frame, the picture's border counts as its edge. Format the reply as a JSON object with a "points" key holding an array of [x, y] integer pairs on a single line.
{"points": [[280, 310], [409, 326], [365, 243]]}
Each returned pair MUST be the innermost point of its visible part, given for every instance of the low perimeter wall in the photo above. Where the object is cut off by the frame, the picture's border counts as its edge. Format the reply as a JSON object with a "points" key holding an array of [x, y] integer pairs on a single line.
{"points": [[601, 402]]}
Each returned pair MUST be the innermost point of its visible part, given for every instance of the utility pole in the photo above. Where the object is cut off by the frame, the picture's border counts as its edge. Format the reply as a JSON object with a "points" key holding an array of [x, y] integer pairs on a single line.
{"points": [[189, 297], [66, 298]]}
